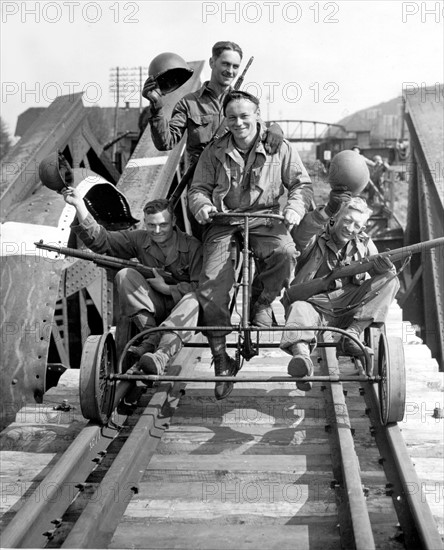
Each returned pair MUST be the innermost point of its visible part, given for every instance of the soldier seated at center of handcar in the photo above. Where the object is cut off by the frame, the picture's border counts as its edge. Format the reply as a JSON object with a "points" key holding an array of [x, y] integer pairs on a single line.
{"points": [[237, 174]]}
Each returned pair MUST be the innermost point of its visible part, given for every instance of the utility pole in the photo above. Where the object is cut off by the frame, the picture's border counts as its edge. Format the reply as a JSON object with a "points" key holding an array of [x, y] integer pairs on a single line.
{"points": [[116, 113], [140, 89], [125, 84]]}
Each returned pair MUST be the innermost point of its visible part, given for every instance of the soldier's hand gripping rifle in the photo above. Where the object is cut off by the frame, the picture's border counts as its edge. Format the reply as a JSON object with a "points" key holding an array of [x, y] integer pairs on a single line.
{"points": [[305, 290], [188, 176], [109, 262]]}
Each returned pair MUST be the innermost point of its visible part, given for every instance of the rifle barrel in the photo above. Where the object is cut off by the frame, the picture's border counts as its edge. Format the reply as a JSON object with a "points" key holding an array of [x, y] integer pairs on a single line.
{"points": [[406, 251], [303, 291], [395, 255], [240, 80], [99, 259]]}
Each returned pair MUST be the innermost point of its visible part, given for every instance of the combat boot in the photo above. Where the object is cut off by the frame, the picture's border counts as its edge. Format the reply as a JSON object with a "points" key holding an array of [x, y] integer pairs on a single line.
{"points": [[155, 363], [129, 402], [301, 364], [349, 347], [145, 346], [224, 365], [144, 321]]}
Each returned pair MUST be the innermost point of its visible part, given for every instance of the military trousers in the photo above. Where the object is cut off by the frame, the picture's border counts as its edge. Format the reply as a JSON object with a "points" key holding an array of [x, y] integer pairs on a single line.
{"points": [[136, 294], [272, 245], [362, 305]]}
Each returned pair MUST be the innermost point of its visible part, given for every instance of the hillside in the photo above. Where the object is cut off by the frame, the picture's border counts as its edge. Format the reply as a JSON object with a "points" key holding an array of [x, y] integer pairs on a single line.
{"points": [[383, 121]]}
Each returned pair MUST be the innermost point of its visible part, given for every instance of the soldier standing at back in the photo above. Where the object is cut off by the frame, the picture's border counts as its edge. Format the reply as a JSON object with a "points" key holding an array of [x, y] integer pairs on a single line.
{"points": [[200, 112]]}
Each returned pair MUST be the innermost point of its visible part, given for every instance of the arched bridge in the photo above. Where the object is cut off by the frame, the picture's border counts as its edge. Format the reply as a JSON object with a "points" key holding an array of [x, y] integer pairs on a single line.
{"points": [[308, 130]]}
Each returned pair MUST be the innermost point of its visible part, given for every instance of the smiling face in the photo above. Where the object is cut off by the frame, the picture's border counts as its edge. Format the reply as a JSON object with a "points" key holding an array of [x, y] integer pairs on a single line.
{"points": [[242, 116], [224, 68], [160, 226], [348, 224]]}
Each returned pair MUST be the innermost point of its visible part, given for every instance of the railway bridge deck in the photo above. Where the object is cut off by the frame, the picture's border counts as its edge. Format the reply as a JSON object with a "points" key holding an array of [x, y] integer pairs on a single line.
{"points": [[254, 469]]}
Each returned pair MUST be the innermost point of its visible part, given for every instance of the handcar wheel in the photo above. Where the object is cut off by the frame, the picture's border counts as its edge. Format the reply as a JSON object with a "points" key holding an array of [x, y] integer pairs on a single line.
{"points": [[97, 393], [372, 335], [392, 387]]}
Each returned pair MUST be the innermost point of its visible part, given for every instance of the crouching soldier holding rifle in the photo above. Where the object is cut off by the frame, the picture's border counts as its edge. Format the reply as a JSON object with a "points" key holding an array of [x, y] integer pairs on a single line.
{"points": [[330, 237], [329, 289], [150, 301]]}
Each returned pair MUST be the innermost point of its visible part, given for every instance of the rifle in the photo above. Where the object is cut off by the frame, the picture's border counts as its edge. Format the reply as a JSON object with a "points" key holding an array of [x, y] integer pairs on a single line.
{"points": [[305, 290], [109, 262], [188, 176]]}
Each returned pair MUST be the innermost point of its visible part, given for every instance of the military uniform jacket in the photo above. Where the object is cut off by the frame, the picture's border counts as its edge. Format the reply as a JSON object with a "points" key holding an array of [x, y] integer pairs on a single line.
{"points": [[265, 176], [184, 261], [200, 113], [320, 254]]}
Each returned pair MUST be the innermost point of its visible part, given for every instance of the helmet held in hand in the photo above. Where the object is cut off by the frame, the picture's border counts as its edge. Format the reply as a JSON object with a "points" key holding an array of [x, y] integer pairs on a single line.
{"points": [[55, 172], [349, 170], [169, 71]]}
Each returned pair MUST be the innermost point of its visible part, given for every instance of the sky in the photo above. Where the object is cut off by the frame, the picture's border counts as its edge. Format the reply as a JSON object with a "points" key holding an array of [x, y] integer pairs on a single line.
{"points": [[313, 60]]}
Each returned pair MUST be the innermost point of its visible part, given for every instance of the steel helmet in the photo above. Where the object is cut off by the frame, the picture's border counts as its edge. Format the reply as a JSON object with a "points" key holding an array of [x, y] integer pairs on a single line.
{"points": [[348, 169], [55, 172], [109, 206], [170, 71]]}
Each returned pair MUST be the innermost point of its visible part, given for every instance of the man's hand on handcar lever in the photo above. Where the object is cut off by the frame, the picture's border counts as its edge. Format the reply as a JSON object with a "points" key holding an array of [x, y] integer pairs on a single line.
{"points": [[236, 174]]}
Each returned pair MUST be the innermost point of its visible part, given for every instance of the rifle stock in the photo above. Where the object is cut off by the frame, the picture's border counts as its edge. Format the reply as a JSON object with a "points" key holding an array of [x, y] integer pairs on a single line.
{"points": [[110, 262], [303, 291]]}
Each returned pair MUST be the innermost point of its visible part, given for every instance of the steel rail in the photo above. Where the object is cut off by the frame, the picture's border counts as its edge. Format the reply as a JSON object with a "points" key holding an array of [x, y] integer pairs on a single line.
{"points": [[37, 519], [428, 534], [414, 514], [360, 529], [96, 525]]}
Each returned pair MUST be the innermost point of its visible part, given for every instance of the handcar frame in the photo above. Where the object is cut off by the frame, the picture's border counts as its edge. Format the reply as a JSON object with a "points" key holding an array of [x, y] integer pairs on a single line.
{"points": [[103, 382]]}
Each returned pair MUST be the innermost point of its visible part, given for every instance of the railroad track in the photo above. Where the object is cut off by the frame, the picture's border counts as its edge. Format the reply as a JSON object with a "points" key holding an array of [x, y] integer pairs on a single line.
{"points": [[267, 467]]}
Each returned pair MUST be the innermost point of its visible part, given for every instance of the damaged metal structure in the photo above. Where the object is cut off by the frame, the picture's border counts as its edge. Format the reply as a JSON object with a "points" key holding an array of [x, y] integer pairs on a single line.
{"points": [[51, 305], [423, 301]]}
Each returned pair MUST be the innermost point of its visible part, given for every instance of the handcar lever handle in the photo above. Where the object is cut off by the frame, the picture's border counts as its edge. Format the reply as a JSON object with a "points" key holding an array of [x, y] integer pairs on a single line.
{"points": [[245, 215]]}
